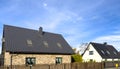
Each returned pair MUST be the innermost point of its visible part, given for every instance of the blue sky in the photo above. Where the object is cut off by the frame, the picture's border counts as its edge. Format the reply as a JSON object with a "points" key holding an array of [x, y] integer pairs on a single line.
{"points": [[79, 21]]}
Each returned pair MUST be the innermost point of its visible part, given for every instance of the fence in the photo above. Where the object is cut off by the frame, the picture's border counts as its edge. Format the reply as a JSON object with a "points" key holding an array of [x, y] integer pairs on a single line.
{"points": [[60, 66], [111, 64]]}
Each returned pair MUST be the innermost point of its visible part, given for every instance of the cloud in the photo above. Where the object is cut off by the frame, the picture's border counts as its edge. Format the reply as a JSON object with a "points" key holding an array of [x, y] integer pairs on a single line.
{"points": [[10, 6], [50, 23], [45, 4], [110, 39], [94, 17], [73, 19], [53, 18]]}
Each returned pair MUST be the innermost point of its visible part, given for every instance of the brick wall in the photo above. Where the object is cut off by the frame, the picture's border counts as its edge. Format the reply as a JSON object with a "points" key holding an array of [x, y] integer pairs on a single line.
{"points": [[19, 59]]}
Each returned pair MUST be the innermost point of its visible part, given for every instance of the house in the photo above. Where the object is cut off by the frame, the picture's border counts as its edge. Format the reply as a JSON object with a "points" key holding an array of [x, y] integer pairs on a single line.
{"points": [[21, 46], [100, 52]]}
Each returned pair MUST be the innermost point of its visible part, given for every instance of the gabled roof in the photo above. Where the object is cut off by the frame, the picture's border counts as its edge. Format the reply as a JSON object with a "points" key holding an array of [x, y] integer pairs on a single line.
{"points": [[22, 40], [106, 51]]}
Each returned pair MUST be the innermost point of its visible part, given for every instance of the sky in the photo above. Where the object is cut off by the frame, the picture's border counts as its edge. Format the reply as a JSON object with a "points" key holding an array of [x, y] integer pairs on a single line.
{"points": [[79, 21]]}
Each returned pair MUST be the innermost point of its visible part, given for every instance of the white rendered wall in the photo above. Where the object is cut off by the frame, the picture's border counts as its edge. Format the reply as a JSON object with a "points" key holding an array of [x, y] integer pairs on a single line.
{"points": [[95, 57]]}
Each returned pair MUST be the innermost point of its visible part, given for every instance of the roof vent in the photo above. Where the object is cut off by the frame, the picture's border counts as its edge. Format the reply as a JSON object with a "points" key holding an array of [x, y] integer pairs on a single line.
{"points": [[105, 43], [40, 29]]}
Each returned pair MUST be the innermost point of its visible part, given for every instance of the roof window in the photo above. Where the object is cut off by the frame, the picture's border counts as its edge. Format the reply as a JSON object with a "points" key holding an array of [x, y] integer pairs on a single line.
{"points": [[115, 53], [59, 45], [108, 52], [102, 51], [45, 43], [29, 42]]}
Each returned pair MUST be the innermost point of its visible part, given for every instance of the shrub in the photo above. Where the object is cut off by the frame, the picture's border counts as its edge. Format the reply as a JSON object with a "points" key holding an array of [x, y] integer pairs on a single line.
{"points": [[77, 58]]}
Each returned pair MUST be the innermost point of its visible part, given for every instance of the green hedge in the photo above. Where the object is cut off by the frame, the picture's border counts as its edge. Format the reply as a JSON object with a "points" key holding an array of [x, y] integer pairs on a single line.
{"points": [[77, 58]]}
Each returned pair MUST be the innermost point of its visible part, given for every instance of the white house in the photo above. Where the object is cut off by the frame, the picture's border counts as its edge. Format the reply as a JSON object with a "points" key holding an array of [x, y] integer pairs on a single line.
{"points": [[100, 52]]}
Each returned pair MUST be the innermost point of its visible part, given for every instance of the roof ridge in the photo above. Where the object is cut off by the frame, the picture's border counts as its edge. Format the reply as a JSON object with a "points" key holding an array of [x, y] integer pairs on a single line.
{"points": [[100, 43], [29, 29], [19, 27]]}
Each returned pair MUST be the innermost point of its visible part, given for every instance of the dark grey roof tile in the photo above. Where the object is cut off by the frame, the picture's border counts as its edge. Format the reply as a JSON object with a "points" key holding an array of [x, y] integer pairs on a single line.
{"points": [[16, 41], [109, 50]]}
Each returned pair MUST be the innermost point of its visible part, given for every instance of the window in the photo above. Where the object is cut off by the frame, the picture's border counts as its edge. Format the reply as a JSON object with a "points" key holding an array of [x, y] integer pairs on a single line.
{"points": [[45, 43], [59, 45], [102, 51], [29, 42], [90, 52], [30, 60], [58, 60], [91, 60], [115, 53], [108, 52]]}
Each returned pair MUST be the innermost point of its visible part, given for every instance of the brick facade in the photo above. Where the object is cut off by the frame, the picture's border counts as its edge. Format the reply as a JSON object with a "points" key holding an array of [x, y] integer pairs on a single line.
{"points": [[19, 59]]}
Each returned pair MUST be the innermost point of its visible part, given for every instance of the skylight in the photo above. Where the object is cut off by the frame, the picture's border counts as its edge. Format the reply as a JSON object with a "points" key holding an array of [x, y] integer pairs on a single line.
{"points": [[59, 45], [108, 52], [45, 43], [29, 42], [102, 51], [115, 53]]}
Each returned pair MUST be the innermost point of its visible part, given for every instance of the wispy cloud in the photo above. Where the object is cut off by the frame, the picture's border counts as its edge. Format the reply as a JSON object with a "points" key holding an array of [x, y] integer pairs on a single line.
{"points": [[45, 4], [78, 21], [54, 18], [110, 39]]}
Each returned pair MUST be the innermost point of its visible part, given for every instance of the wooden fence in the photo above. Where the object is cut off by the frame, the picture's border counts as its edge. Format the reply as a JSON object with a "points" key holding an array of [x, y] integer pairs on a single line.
{"points": [[110, 64], [60, 66]]}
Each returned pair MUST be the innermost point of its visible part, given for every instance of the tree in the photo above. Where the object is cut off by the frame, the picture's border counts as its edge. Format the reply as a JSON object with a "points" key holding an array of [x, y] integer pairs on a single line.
{"points": [[77, 58]]}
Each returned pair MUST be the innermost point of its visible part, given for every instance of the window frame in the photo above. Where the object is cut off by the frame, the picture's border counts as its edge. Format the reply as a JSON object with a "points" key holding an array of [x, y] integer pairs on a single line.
{"points": [[91, 52], [59, 45], [45, 44], [108, 52], [58, 60], [91, 60], [103, 52], [115, 52], [29, 42], [31, 62]]}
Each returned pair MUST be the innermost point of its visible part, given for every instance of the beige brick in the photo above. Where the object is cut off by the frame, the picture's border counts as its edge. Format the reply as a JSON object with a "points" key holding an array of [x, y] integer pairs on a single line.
{"points": [[19, 59]]}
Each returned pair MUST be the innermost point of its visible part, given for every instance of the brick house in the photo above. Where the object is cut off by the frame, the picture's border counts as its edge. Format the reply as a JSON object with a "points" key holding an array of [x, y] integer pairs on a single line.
{"points": [[21, 46]]}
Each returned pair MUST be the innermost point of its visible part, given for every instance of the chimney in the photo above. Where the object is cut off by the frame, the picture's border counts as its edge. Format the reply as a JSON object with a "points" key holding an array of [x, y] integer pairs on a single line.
{"points": [[40, 31], [105, 43]]}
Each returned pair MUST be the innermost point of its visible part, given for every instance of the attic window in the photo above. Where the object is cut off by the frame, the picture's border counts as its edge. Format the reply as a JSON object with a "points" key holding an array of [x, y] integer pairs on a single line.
{"points": [[102, 51], [108, 52], [59, 45], [90, 52], [115, 53], [45, 43], [29, 42]]}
